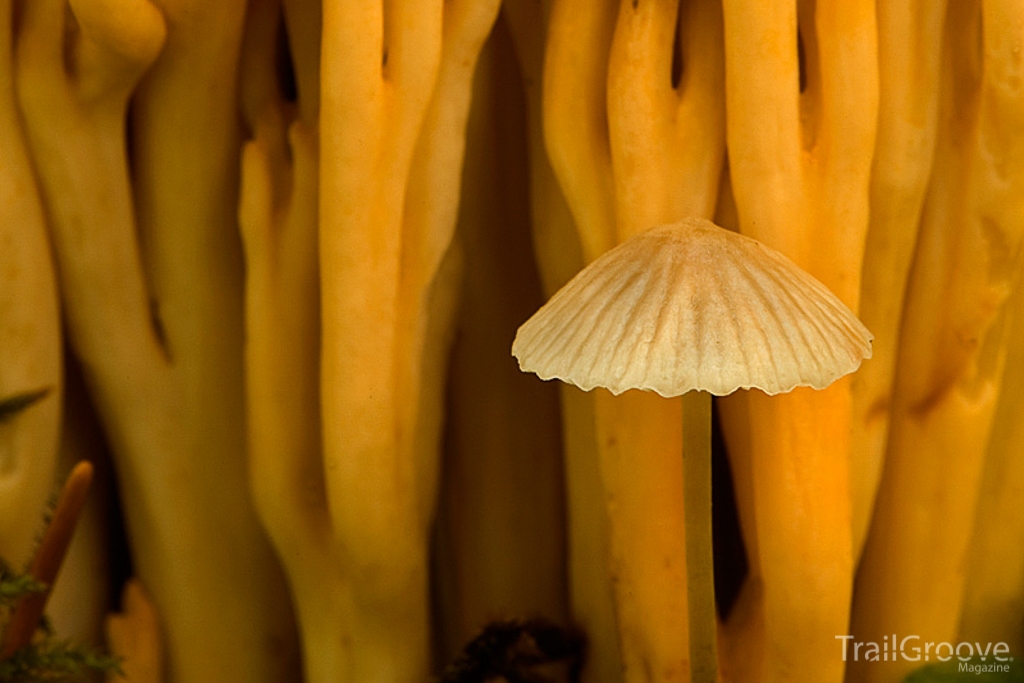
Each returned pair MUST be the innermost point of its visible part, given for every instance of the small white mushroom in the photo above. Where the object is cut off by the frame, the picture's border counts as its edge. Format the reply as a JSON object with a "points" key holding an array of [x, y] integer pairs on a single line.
{"points": [[693, 306], [690, 309]]}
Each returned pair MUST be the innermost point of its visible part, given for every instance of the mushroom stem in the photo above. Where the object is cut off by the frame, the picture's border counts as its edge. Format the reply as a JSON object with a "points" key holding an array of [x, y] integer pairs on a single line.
{"points": [[700, 577]]}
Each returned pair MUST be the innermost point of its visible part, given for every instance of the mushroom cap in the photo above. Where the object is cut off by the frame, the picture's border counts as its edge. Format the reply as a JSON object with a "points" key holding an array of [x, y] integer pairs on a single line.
{"points": [[690, 306]]}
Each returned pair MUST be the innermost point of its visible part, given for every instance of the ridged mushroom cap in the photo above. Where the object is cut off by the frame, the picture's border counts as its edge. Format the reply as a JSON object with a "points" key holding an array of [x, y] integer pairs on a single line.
{"points": [[693, 306]]}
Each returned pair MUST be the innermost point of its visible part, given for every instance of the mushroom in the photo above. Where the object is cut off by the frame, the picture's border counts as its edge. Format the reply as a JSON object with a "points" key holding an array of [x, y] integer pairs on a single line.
{"points": [[690, 309]]}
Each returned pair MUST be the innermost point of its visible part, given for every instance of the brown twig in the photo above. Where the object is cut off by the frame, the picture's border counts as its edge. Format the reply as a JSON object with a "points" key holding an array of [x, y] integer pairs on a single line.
{"points": [[49, 558]]}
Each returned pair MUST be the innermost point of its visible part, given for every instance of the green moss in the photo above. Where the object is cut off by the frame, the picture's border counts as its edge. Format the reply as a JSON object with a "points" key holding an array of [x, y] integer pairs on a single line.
{"points": [[53, 661], [45, 659]]}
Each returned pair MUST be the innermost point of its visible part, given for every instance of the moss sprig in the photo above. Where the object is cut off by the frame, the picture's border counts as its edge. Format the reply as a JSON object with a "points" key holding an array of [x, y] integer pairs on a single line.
{"points": [[56, 661], [28, 649]]}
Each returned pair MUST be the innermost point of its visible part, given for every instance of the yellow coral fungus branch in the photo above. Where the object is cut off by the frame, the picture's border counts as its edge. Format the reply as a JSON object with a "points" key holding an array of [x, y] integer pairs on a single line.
{"points": [[800, 167], [909, 42], [186, 139], [598, 144], [31, 381], [953, 340], [994, 590], [666, 138], [502, 502], [303, 22], [575, 119], [278, 220], [134, 636], [167, 386], [395, 84], [559, 256]]}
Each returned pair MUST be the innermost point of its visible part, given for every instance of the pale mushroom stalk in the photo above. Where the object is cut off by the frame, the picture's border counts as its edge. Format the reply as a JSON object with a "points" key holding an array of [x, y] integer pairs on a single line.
{"points": [[700, 570], [947, 390], [31, 376]]}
